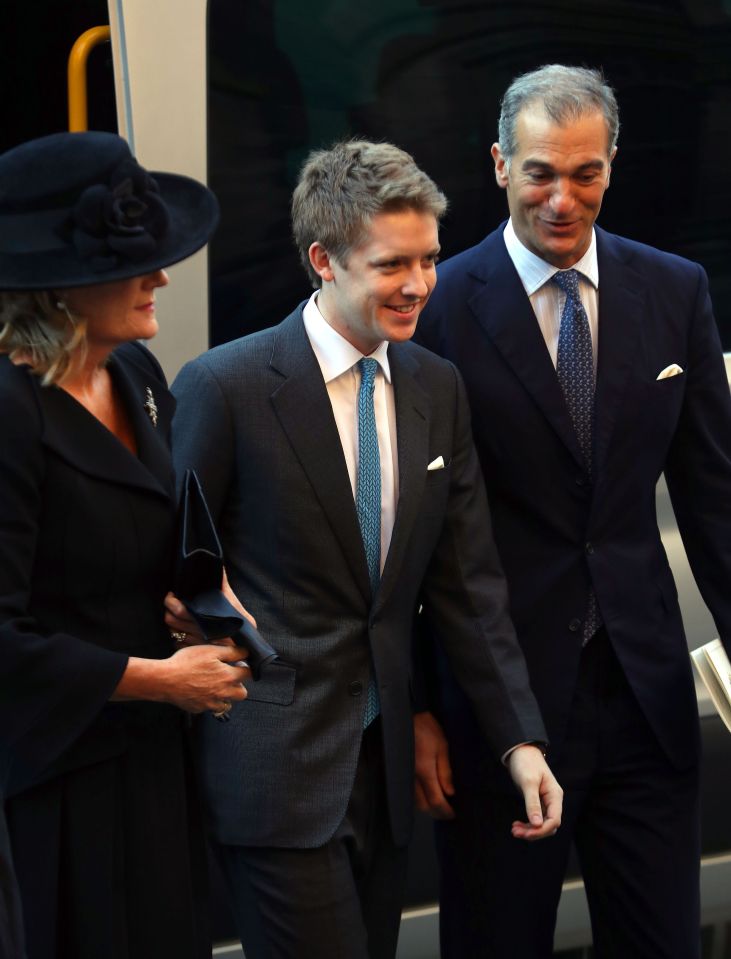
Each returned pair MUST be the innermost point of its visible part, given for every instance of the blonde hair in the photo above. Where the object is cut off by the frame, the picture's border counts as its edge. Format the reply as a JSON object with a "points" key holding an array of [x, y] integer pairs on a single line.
{"points": [[37, 328], [342, 189]]}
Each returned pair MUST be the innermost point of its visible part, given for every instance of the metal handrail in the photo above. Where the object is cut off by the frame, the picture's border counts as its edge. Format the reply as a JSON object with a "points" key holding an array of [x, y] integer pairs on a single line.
{"points": [[78, 110]]}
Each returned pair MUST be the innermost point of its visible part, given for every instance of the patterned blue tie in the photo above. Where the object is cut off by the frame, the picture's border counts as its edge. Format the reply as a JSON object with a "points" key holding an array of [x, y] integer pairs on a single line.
{"points": [[575, 371], [368, 497]]}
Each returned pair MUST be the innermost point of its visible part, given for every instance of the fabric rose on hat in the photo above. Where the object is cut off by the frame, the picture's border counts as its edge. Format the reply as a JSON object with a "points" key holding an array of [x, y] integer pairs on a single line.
{"points": [[119, 222]]}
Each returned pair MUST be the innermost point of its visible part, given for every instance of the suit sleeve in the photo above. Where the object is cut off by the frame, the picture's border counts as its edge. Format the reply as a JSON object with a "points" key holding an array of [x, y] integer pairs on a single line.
{"points": [[465, 604], [203, 432], [52, 686], [698, 467]]}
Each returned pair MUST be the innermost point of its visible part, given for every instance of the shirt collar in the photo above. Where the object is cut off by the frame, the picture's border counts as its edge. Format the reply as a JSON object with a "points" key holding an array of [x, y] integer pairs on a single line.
{"points": [[535, 272], [334, 353]]}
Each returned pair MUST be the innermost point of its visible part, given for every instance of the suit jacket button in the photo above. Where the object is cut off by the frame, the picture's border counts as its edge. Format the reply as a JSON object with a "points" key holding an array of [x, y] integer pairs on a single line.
{"points": [[575, 625], [580, 480], [356, 688], [589, 548]]}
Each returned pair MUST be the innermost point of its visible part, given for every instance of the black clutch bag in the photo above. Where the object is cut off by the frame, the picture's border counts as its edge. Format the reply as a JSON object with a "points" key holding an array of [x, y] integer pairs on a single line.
{"points": [[198, 577]]}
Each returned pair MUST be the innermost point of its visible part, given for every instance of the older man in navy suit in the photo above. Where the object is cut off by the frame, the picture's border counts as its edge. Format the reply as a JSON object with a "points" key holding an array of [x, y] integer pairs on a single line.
{"points": [[592, 364], [339, 465]]}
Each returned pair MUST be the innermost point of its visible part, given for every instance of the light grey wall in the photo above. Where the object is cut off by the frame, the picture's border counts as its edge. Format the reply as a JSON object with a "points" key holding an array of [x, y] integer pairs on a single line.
{"points": [[159, 54]]}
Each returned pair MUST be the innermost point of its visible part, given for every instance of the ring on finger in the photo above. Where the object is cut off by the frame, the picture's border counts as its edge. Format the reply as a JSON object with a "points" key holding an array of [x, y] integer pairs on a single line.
{"points": [[222, 714], [179, 637]]}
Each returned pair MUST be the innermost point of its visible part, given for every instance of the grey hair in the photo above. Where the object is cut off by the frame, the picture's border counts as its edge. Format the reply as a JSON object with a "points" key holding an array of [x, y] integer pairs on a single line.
{"points": [[341, 190], [37, 329], [566, 93]]}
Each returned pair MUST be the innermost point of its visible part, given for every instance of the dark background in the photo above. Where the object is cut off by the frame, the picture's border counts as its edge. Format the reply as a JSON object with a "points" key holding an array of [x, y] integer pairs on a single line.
{"points": [[286, 76], [428, 75], [36, 37]]}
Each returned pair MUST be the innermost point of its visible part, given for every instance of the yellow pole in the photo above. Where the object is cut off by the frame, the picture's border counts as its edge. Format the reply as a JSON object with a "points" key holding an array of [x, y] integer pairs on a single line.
{"points": [[78, 113]]}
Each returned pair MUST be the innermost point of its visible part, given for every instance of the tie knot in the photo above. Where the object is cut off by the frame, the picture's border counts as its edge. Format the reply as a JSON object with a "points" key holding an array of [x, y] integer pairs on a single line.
{"points": [[368, 368], [568, 281]]}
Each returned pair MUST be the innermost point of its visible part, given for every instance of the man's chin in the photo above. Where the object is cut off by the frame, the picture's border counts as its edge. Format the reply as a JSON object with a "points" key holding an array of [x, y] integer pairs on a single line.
{"points": [[561, 254], [562, 250], [400, 334]]}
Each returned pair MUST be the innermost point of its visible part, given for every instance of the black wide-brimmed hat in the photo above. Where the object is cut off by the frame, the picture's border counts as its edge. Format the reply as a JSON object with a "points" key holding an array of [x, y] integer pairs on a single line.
{"points": [[76, 209]]}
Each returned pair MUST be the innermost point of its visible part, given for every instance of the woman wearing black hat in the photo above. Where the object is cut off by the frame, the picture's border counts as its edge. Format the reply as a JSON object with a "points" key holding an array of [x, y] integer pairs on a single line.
{"points": [[103, 822]]}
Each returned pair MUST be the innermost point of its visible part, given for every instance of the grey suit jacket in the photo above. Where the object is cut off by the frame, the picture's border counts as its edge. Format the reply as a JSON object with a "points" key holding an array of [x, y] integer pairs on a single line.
{"points": [[254, 419]]}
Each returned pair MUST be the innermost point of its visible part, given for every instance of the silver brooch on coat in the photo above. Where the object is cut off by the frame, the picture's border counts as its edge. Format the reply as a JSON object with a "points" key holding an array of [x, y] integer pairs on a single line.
{"points": [[150, 405]]}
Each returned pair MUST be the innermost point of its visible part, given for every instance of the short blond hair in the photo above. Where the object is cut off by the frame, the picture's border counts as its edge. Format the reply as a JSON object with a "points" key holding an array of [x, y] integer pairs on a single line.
{"points": [[342, 189]]}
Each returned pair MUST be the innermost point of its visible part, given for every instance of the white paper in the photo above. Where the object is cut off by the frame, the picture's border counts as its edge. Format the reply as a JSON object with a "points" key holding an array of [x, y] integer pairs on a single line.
{"points": [[714, 669]]}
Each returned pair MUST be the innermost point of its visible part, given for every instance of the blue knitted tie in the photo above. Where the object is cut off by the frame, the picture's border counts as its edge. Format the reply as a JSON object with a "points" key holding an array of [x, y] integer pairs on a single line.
{"points": [[575, 370], [368, 497]]}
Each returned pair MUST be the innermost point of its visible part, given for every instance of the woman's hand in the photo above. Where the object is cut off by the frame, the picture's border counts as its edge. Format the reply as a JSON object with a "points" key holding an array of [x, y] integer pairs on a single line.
{"points": [[183, 628], [206, 677], [194, 678]]}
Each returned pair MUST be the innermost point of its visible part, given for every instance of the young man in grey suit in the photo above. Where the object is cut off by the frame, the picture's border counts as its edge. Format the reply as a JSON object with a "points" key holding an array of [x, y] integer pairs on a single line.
{"points": [[338, 462], [593, 364]]}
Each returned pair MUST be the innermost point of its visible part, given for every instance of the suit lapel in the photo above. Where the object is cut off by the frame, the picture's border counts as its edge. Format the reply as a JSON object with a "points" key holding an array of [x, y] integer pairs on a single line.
{"points": [[412, 429], [621, 306], [81, 440], [133, 384], [504, 312], [304, 411]]}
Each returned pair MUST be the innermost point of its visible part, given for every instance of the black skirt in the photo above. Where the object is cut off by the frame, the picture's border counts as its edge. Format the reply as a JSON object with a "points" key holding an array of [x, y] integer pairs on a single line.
{"points": [[111, 858], [11, 929]]}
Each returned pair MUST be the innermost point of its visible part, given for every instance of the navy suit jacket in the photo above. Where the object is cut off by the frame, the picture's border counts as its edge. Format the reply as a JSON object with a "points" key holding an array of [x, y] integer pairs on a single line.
{"points": [[557, 531], [255, 420]]}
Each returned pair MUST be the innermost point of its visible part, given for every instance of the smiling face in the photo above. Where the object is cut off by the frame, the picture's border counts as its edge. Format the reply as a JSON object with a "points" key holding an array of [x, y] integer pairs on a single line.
{"points": [[555, 182], [116, 312], [388, 279]]}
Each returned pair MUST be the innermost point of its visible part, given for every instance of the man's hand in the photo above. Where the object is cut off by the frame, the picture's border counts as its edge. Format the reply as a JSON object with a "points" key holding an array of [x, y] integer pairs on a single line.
{"points": [[433, 785], [234, 600], [542, 794]]}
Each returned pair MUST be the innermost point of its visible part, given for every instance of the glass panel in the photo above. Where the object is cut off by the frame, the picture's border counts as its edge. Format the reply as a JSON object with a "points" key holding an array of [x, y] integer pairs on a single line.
{"points": [[286, 76]]}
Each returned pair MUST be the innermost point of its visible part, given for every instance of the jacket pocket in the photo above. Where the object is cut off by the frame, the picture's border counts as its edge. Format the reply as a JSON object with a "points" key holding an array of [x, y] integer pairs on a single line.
{"points": [[436, 477], [275, 686]]}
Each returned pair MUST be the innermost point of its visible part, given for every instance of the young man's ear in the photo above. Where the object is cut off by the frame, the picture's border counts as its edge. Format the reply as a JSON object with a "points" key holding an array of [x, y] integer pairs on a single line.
{"points": [[320, 260]]}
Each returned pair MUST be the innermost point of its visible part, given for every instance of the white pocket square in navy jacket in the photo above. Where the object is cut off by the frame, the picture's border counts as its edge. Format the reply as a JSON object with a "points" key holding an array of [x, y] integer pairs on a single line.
{"points": [[437, 464], [672, 370]]}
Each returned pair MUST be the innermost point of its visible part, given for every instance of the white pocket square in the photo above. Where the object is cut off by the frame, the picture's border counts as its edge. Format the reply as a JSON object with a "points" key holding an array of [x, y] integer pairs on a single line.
{"points": [[671, 370], [437, 464]]}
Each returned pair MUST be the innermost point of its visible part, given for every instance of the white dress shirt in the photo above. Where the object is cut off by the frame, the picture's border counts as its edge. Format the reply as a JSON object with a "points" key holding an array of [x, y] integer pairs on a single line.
{"points": [[547, 299], [338, 361]]}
